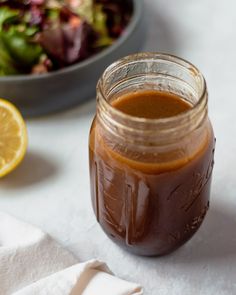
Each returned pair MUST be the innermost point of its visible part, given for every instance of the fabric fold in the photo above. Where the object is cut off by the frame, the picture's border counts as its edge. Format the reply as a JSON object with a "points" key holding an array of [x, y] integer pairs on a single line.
{"points": [[32, 263]]}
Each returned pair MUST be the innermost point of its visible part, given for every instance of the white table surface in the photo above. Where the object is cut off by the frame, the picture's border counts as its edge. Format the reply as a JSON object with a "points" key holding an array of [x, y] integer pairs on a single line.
{"points": [[51, 188]]}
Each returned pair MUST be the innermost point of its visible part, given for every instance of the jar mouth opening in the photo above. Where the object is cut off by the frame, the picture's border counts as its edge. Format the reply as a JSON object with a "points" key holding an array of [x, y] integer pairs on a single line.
{"points": [[149, 56]]}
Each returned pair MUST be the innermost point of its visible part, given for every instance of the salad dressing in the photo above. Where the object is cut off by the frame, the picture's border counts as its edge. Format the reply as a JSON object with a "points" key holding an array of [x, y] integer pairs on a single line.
{"points": [[145, 206]]}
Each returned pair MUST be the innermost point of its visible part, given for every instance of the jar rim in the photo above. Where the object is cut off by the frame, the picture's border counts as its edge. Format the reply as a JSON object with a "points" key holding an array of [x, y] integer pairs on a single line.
{"points": [[202, 99]]}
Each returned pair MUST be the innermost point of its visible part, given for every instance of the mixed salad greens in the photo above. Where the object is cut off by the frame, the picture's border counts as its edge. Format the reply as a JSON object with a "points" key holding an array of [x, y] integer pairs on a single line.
{"points": [[38, 36]]}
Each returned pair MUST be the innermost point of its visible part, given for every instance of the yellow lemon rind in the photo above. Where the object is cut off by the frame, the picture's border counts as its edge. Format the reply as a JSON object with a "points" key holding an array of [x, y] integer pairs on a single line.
{"points": [[24, 138]]}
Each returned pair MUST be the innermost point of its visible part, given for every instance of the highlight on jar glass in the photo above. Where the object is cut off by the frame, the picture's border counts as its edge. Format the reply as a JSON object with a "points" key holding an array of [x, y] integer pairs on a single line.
{"points": [[151, 153]]}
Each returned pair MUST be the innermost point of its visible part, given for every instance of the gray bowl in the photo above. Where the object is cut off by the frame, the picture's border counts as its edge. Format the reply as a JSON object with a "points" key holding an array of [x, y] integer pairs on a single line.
{"points": [[51, 92]]}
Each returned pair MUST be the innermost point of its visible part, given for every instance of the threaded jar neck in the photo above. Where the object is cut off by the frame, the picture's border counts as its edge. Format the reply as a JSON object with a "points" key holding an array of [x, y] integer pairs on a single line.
{"points": [[151, 71]]}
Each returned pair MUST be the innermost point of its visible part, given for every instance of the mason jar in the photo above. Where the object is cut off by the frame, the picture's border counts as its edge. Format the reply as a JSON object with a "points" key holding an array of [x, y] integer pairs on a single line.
{"points": [[151, 178]]}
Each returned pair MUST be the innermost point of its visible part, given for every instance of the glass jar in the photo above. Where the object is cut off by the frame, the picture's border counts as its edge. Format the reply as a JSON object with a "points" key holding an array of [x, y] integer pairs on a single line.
{"points": [[151, 178]]}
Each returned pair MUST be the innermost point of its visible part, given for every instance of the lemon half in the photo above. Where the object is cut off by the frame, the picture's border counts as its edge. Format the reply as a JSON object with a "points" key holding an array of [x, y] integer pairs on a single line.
{"points": [[13, 137]]}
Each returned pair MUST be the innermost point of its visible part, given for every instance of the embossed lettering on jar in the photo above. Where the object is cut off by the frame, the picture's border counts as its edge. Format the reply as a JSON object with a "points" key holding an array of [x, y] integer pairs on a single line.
{"points": [[150, 175]]}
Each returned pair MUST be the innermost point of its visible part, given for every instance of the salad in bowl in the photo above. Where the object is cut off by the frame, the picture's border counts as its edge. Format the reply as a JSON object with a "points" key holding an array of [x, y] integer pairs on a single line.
{"points": [[41, 36]]}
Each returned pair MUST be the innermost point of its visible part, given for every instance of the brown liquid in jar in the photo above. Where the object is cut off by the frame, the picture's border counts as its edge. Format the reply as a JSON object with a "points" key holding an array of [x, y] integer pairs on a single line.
{"points": [[147, 207]]}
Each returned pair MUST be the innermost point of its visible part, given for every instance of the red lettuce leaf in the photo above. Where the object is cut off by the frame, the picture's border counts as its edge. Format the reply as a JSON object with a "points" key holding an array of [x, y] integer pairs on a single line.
{"points": [[68, 42]]}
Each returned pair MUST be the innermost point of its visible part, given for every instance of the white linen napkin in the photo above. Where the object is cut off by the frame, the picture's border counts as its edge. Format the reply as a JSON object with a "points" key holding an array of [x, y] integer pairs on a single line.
{"points": [[32, 263]]}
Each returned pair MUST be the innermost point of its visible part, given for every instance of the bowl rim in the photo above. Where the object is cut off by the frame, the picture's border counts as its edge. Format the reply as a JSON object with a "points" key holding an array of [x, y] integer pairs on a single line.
{"points": [[136, 16]]}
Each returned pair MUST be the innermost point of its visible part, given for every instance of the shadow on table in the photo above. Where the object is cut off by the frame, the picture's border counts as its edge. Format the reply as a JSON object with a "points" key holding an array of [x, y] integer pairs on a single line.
{"points": [[86, 109], [35, 168], [215, 241], [82, 110]]}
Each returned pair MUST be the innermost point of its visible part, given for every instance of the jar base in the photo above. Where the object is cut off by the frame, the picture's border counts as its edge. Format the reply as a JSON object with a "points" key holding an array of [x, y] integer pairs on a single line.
{"points": [[148, 251]]}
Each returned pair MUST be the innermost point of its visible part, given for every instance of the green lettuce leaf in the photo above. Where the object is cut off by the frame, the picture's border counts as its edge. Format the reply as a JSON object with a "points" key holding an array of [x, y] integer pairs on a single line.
{"points": [[7, 15], [7, 66], [100, 26], [20, 48]]}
